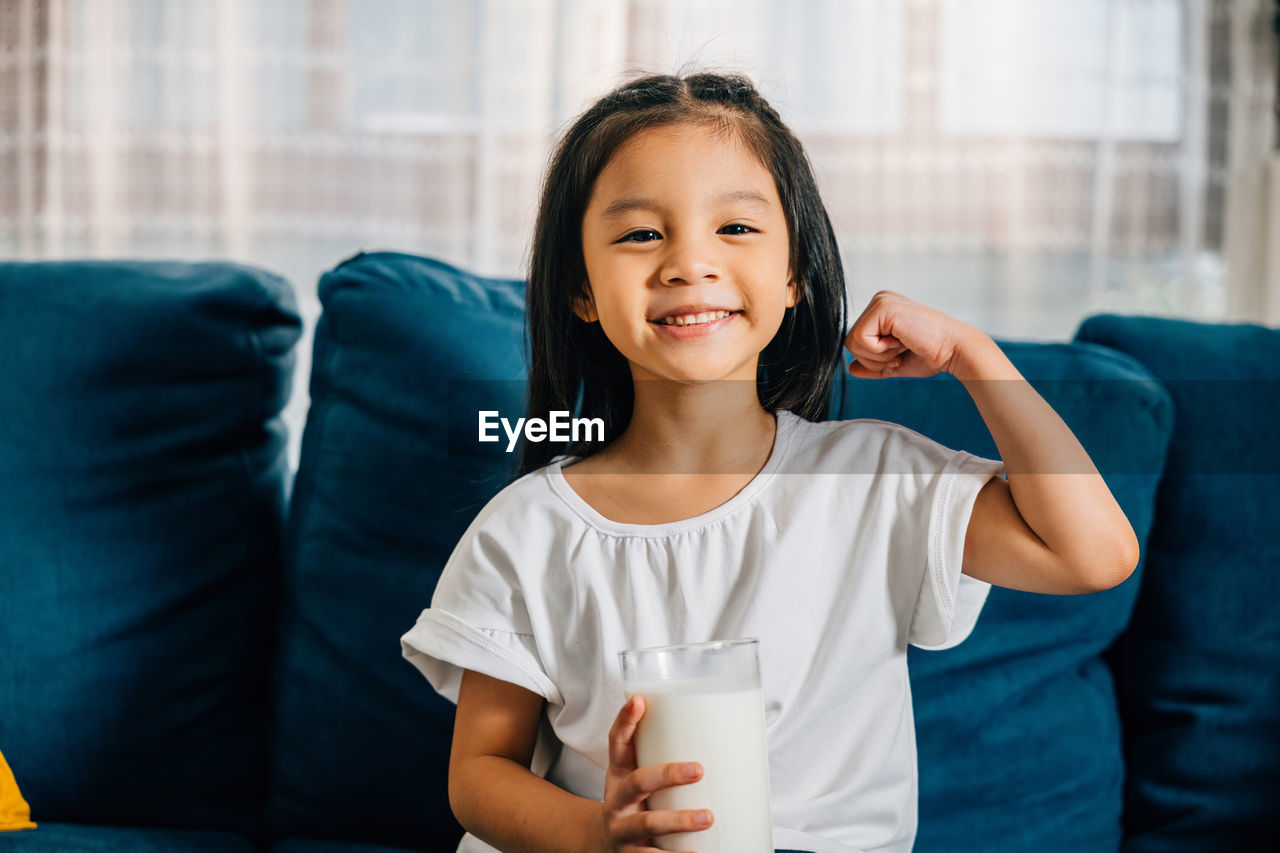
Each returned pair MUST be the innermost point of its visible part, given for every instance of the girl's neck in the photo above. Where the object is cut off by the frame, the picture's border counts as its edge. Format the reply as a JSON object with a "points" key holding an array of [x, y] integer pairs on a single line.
{"points": [[715, 428]]}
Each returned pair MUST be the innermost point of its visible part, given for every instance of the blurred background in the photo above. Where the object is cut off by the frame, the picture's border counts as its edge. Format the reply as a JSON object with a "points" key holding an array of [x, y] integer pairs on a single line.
{"points": [[1016, 163]]}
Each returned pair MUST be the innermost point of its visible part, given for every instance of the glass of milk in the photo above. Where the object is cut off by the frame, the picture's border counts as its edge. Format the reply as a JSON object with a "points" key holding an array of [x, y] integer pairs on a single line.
{"points": [[703, 703]]}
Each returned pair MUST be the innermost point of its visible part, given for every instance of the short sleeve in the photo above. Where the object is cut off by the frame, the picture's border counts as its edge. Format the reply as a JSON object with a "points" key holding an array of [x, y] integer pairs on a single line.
{"points": [[478, 620], [949, 602]]}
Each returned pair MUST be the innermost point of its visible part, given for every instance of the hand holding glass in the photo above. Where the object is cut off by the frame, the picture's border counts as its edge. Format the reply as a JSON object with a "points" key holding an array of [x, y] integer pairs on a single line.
{"points": [[703, 704]]}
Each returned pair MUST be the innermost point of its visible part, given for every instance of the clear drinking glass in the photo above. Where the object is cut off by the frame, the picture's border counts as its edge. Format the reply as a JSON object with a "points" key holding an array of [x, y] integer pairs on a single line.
{"points": [[703, 703]]}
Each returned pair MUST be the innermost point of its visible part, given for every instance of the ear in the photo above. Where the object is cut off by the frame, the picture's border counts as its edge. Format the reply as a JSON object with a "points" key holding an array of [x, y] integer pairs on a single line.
{"points": [[793, 291], [585, 306]]}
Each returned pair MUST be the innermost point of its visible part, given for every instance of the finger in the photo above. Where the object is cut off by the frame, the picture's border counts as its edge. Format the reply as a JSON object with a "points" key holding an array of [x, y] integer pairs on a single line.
{"points": [[867, 335], [885, 347], [912, 366], [643, 781], [860, 337], [644, 825], [888, 343], [877, 359], [859, 370], [622, 750]]}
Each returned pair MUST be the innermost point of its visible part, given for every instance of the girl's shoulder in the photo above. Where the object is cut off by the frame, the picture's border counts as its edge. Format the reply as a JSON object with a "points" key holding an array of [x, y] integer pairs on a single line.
{"points": [[519, 505], [869, 445], [855, 429]]}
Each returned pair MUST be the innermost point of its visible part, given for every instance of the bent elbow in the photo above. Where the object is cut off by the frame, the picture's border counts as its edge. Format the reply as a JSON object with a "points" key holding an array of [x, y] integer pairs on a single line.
{"points": [[1129, 557], [1108, 572]]}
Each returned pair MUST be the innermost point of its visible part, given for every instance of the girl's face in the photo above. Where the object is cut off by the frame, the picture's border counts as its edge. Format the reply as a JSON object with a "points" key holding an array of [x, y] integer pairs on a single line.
{"points": [[683, 220]]}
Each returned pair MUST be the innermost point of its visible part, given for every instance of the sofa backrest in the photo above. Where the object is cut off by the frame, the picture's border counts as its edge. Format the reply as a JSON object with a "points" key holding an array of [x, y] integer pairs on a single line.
{"points": [[1199, 665], [142, 472], [408, 350]]}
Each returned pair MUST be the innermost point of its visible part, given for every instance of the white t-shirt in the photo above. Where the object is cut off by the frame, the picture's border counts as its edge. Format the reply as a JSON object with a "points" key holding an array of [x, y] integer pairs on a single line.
{"points": [[845, 547]]}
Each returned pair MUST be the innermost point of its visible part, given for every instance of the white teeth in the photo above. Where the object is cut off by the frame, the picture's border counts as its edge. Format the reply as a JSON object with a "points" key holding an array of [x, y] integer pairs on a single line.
{"points": [[695, 319]]}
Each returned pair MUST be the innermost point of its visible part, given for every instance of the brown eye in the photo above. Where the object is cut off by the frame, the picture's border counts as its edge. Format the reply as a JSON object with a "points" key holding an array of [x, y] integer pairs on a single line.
{"points": [[746, 229], [640, 233]]}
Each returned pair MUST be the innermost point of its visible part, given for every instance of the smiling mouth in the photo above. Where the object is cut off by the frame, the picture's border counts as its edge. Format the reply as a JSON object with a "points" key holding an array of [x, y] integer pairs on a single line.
{"points": [[694, 319]]}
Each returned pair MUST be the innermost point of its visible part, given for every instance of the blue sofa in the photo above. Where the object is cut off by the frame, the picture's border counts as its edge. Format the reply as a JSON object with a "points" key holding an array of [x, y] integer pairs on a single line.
{"points": [[197, 654]]}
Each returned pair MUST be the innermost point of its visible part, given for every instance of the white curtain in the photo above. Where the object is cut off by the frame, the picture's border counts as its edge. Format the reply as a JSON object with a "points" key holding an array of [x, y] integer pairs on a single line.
{"points": [[1018, 163]]}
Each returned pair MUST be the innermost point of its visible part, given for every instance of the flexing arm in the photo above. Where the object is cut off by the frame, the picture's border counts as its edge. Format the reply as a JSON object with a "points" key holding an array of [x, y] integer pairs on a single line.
{"points": [[1054, 527]]}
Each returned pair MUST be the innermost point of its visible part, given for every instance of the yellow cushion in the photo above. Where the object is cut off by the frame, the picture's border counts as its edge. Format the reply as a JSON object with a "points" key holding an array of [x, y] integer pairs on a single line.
{"points": [[14, 812]]}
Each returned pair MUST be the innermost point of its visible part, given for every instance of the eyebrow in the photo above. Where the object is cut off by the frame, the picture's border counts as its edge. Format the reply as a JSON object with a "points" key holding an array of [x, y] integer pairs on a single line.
{"points": [[626, 204]]}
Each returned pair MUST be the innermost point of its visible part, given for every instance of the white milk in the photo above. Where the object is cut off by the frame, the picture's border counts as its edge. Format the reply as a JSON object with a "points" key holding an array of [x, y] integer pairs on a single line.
{"points": [[725, 732]]}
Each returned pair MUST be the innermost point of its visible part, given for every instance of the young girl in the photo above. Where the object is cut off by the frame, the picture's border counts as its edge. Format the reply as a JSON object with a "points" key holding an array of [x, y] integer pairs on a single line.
{"points": [[686, 288]]}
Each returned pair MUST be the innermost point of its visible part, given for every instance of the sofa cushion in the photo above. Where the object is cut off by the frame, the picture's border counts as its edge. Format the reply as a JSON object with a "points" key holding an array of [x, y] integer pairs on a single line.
{"points": [[1017, 730], [1199, 666], [142, 476], [361, 741], [85, 838]]}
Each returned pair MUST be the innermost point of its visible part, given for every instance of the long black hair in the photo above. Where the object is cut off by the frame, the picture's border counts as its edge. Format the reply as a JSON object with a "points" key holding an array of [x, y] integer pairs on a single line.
{"points": [[572, 365]]}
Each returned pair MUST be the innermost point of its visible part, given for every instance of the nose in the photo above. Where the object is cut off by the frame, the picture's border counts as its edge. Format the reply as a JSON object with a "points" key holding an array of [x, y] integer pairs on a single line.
{"points": [[689, 260]]}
